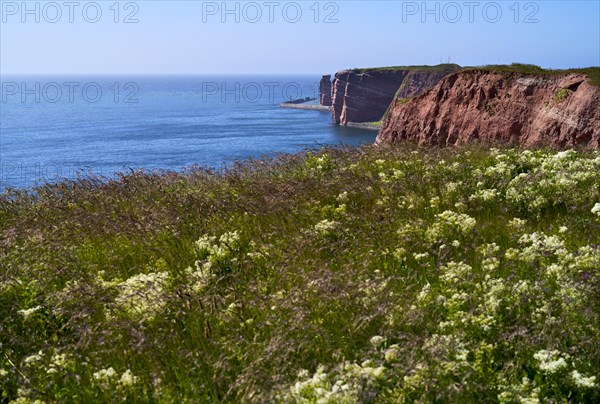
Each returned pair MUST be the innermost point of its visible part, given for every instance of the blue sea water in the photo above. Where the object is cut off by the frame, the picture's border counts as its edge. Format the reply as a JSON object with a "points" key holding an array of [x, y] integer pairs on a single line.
{"points": [[54, 127]]}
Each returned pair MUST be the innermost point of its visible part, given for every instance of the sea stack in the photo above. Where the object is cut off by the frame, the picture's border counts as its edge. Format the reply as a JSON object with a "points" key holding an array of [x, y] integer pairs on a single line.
{"points": [[325, 91]]}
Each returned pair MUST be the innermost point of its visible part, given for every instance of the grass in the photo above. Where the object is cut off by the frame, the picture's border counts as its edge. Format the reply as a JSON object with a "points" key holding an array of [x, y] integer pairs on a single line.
{"points": [[423, 68], [562, 94], [592, 72], [378, 274]]}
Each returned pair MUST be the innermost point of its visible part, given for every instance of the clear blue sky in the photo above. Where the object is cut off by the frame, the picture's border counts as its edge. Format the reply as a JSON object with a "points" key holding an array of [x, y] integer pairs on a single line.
{"points": [[177, 37]]}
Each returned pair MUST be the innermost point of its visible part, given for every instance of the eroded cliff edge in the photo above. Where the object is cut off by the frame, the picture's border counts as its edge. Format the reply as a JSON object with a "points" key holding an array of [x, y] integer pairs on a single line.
{"points": [[364, 95], [478, 104]]}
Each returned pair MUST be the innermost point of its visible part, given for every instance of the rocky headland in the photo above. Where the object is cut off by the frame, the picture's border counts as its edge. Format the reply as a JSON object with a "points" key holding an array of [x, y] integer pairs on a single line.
{"points": [[558, 109]]}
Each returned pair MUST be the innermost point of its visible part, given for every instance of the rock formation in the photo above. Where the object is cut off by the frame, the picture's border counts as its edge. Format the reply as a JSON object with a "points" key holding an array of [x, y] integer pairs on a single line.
{"points": [[325, 91], [365, 95], [479, 104]]}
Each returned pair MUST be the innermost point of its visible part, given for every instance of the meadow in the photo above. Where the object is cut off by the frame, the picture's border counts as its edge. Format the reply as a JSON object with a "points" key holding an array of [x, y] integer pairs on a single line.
{"points": [[380, 274]]}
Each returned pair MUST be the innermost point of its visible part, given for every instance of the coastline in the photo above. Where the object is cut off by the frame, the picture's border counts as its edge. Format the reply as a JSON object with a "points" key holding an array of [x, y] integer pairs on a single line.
{"points": [[303, 106], [364, 125]]}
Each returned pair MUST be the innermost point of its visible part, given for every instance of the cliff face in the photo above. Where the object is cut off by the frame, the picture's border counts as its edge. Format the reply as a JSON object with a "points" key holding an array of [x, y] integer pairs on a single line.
{"points": [[325, 91], [560, 110], [364, 96]]}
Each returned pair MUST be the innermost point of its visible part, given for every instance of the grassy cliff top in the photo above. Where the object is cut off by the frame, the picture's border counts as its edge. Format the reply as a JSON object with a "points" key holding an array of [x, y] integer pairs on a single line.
{"points": [[425, 68], [592, 72]]}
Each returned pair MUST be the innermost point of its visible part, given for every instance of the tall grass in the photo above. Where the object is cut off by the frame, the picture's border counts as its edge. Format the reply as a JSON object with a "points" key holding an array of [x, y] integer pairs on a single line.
{"points": [[395, 274]]}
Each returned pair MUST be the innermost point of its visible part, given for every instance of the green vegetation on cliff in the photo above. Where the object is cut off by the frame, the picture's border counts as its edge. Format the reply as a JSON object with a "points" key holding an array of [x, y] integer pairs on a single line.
{"points": [[592, 72], [375, 274], [423, 68]]}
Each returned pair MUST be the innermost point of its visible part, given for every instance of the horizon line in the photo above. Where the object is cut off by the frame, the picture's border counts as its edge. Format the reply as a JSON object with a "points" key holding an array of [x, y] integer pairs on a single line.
{"points": [[261, 73]]}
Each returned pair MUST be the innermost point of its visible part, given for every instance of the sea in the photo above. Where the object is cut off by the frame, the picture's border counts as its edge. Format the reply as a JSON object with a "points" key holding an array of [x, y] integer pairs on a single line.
{"points": [[61, 127]]}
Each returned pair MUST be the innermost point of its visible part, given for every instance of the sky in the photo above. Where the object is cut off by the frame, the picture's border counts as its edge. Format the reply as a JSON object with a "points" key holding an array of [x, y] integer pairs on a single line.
{"points": [[290, 37]]}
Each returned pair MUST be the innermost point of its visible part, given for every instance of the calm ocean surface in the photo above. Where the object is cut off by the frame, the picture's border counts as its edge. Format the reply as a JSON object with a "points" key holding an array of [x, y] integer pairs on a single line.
{"points": [[55, 127]]}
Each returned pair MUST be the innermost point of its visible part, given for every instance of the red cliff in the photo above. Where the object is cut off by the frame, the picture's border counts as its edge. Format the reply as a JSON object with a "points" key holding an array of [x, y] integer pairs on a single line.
{"points": [[528, 109]]}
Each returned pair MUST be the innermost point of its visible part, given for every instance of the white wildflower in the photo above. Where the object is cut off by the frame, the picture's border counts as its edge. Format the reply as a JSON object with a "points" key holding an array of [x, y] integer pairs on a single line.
{"points": [[421, 256], [397, 174], [449, 221], [141, 295], [521, 287], [454, 272], [452, 187], [391, 354], [550, 361], [223, 251], [26, 313], [540, 245], [204, 244], [105, 376], [325, 227], [555, 270], [128, 379], [377, 341], [34, 358], [484, 195], [460, 206], [400, 253], [565, 154], [230, 239], [582, 380], [424, 292], [517, 224], [199, 276], [343, 197], [58, 362]]}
